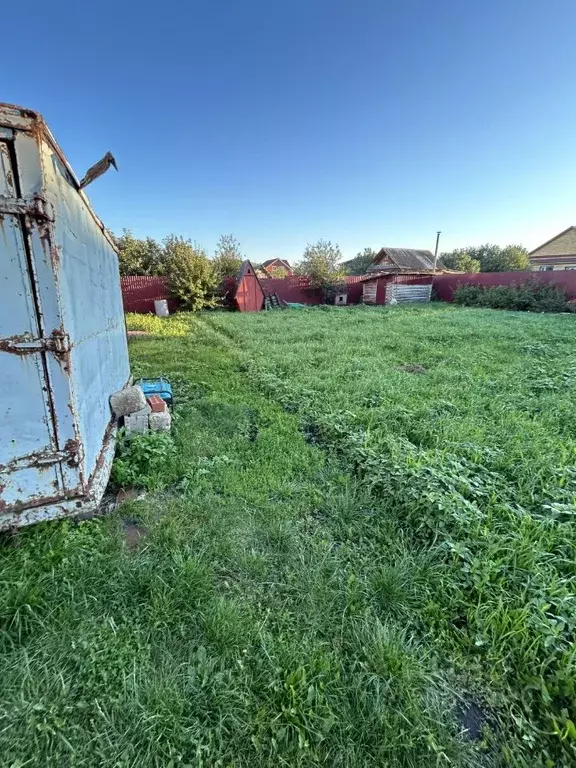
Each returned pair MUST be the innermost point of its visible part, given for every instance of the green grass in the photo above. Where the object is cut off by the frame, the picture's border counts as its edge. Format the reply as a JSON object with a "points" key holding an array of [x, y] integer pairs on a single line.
{"points": [[342, 556]]}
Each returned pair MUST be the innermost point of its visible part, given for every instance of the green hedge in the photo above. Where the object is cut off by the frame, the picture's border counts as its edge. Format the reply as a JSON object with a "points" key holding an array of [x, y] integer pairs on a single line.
{"points": [[530, 296]]}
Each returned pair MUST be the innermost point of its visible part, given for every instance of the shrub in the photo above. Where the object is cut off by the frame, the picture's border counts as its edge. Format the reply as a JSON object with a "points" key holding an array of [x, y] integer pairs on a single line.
{"points": [[143, 460], [193, 280], [531, 296]]}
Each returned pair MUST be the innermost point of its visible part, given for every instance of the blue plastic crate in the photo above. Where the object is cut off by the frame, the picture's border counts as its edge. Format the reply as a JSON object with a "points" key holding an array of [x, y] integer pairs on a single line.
{"points": [[159, 386]]}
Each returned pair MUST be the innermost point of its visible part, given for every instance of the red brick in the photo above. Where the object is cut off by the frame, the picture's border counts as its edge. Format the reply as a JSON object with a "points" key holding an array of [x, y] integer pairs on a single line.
{"points": [[156, 403]]}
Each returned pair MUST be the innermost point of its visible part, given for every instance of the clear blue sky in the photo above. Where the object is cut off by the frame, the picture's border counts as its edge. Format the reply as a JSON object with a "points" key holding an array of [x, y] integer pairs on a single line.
{"points": [[365, 122]]}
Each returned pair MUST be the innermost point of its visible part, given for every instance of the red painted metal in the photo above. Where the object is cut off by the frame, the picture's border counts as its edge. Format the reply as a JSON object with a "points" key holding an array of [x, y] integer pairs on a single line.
{"points": [[249, 296], [296, 289], [445, 285], [140, 291]]}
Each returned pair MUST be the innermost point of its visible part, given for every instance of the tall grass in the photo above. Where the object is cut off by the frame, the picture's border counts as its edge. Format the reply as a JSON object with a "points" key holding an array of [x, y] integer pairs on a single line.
{"points": [[343, 558]]}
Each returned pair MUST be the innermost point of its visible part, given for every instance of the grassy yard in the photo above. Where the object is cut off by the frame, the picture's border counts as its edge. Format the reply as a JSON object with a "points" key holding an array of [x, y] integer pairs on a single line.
{"points": [[358, 550]]}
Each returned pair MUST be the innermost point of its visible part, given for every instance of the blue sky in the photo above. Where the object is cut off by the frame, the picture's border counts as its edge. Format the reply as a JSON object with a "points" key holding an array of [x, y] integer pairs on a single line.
{"points": [[365, 122]]}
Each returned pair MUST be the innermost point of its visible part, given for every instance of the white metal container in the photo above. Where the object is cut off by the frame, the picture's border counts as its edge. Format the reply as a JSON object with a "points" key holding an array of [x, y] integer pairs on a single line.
{"points": [[63, 348], [161, 307]]}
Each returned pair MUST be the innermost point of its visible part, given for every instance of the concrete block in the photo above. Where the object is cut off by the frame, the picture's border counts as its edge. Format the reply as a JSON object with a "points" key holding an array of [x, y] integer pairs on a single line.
{"points": [[138, 421], [127, 401], [160, 422]]}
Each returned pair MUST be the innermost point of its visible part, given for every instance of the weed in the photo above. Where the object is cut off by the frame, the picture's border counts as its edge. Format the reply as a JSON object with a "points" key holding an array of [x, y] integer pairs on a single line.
{"points": [[143, 460]]}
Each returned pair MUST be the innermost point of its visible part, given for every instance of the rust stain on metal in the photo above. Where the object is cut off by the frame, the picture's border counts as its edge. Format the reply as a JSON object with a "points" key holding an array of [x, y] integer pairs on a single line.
{"points": [[72, 446], [108, 436], [40, 501], [8, 344]]}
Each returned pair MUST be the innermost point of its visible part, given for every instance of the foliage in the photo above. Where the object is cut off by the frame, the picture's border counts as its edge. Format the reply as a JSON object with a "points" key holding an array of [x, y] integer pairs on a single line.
{"points": [[491, 258], [227, 257], [142, 459], [460, 260], [139, 257], [531, 296], [157, 326], [360, 263], [191, 274], [277, 272], [320, 263]]}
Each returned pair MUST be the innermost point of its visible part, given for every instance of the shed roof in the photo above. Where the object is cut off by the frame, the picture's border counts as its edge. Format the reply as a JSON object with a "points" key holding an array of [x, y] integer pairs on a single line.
{"points": [[390, 272], [269, 262], [404, 258]]}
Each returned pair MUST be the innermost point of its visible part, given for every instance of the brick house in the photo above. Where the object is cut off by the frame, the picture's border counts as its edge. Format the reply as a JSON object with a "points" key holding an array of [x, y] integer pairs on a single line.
{"points": [[559, 253]]}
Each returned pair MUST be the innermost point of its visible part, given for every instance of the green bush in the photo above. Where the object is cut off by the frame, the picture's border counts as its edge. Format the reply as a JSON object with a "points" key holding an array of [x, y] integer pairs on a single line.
{"points": [[531, 296], [143, 460]]}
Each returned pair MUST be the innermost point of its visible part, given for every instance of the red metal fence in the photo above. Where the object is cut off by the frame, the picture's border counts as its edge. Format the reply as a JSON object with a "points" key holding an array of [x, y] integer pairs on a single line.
{"points": [[445, 285], [139, 293]]}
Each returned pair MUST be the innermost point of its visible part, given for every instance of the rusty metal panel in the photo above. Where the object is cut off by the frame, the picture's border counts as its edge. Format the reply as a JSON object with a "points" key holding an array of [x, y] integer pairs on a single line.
{"points": [[86, 265], [26, 424], [63, 347]]}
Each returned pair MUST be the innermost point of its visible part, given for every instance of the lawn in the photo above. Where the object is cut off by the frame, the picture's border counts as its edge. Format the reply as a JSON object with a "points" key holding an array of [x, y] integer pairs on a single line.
{"points": [[357, 549]]}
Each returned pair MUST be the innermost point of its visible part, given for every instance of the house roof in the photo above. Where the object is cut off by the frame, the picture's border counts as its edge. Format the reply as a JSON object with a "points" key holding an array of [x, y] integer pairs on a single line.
{"points": [[404, 258], [269, 262], [560, 234], [394, 271]]}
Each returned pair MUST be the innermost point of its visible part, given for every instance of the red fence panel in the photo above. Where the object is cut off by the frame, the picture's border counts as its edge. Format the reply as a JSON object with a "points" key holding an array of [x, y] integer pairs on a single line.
{"points": [[445, 285], [293, 290], [140, 292]]}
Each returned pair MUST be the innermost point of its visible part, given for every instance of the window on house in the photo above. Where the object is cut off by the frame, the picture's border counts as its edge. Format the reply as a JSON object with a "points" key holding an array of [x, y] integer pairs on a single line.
{"points": [[546, 269], [569, 269]]}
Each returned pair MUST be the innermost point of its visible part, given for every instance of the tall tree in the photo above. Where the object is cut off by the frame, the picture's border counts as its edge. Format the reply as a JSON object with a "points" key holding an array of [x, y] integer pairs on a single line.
{"points": [[360, 263], [320, 263], [138, 257], [492, 258], [227, 257], [460, 260], [516, 258], [193, 279]]}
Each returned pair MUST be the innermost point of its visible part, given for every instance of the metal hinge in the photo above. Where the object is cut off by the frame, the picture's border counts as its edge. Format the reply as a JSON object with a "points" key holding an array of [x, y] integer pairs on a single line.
{"points": [[58, 343], [72, 454], [36, 207], [72, 457]]}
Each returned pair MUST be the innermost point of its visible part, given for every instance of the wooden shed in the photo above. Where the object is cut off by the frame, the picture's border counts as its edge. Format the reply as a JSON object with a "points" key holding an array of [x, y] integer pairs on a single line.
{"points": [[397, 288], [248, 295]]}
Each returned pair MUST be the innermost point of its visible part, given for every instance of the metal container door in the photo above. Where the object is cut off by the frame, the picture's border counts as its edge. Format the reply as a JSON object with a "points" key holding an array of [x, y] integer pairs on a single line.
{"points": [[31, 470]]}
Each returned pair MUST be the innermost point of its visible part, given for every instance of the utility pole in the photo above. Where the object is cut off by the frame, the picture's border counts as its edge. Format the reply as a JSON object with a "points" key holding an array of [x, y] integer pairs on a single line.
{"points": [[436, 251]]}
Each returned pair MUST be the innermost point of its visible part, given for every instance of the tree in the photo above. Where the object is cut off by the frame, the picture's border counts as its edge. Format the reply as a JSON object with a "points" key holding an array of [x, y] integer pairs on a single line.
{"points": [[138, 257], [228, 256], [492, 258], [516, 258], [360, 263], [193, 280], [460, 260], [320, 263]]}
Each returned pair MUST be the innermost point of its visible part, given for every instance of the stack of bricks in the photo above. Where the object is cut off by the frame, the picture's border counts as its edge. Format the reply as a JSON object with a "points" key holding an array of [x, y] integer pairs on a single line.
{"points": [[141, 413]]}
